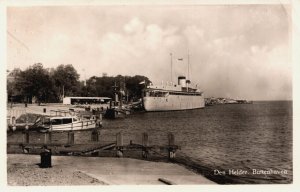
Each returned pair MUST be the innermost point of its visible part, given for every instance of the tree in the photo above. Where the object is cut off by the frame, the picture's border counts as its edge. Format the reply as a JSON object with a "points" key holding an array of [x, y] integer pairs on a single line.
{"points": [[100, 86], [35, 82], [12, 92], [66, 81], [103, 86], [134, 87]]}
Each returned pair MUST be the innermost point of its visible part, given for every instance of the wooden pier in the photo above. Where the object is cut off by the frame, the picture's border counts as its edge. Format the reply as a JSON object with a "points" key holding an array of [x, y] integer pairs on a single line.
{"points": [[94, 147]]}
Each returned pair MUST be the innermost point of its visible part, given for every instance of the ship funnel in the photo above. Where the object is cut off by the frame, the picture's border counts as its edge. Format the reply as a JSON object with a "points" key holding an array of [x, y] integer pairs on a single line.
{"points": [[182, 81]]}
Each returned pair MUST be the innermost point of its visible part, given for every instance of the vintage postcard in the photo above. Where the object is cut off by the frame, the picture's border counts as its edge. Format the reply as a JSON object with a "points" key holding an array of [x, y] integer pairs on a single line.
{"points": [[133, 93]]}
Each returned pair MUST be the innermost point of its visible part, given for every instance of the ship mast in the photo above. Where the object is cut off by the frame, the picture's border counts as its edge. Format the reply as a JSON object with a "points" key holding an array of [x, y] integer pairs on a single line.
{"points": [[188, 75], [189, 65], [171, 55]]}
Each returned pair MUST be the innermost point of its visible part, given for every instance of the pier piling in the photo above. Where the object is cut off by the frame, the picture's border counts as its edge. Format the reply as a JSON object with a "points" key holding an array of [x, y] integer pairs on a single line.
{"points": [[100, 120], [25, 135], [145, 143], [71, 138], [171, 149], [95, 135], [13, 119], [47, 137], [119, 146], [26, 123], [171, 139]]}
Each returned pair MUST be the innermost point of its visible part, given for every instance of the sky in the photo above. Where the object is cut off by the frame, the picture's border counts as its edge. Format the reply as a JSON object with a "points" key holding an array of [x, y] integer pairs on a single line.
{"points": [[235, 51]]}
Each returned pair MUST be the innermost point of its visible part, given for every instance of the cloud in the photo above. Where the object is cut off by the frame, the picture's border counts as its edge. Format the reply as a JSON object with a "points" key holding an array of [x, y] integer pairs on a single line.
{"points": [[234, 51], [134, 26], [138, 49], [227, 66]]}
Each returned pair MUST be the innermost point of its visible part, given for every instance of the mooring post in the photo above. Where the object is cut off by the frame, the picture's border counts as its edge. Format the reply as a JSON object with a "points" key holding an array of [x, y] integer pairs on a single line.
{"points": [[25, 137], [26, 123], [47, 137], [100, 120], [145, 143], [95, 135], [119, 145], [171, 147], [71, 138], [171, 139], [13, 119]]}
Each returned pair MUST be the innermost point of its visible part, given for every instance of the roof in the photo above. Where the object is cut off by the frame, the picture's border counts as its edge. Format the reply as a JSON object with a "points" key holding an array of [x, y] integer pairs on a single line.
{"points": [[61, 117], [88, 97]]}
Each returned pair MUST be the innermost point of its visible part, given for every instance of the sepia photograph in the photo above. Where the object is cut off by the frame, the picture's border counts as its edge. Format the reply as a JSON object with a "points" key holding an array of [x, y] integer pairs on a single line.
{"points": [[149, 94]]}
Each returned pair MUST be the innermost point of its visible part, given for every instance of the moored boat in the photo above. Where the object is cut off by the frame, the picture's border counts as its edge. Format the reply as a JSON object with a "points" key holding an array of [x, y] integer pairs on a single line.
{"points": [[59, 123], [170, 97]]}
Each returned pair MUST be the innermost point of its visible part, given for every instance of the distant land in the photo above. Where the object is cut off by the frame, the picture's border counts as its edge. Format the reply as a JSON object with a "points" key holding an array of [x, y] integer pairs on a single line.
{"points": [[217, 101]]}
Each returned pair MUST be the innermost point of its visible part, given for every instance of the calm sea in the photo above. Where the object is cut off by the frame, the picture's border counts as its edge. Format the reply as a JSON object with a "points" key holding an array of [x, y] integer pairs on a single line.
{"points": [[221, 138], [225, 137]]}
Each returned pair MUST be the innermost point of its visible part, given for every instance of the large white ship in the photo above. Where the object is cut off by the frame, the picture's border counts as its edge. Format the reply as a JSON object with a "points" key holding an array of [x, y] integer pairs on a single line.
{"points": [[170, 97]]}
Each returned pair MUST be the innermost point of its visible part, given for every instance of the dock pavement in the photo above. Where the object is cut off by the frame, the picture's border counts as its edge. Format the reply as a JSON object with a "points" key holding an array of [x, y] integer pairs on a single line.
{"points": [[24, 170]]}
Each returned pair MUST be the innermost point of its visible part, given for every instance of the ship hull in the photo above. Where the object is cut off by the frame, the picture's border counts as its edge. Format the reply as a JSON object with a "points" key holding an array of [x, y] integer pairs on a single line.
{"points": [[173, 102]]}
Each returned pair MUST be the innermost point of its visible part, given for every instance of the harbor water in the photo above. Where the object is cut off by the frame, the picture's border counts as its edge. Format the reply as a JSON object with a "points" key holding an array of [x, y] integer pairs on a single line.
{"points": [[243, 143], [245, 137]]}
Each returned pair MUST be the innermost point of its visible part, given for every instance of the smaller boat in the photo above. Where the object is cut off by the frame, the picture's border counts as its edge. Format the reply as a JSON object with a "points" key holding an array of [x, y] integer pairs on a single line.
{"points": [[58, 123]]}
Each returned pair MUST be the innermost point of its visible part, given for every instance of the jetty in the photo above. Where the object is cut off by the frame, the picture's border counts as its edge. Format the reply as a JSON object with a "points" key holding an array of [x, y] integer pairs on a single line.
{"points": [[115, 148]]}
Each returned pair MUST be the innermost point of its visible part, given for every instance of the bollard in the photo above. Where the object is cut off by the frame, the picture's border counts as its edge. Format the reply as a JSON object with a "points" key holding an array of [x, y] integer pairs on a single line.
{"points": [[71, 138], [44, 110], [46, 158]]}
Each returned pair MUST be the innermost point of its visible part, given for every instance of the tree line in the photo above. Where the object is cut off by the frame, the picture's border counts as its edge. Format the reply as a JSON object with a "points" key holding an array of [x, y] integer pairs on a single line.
{"points": [[40, 85]]}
